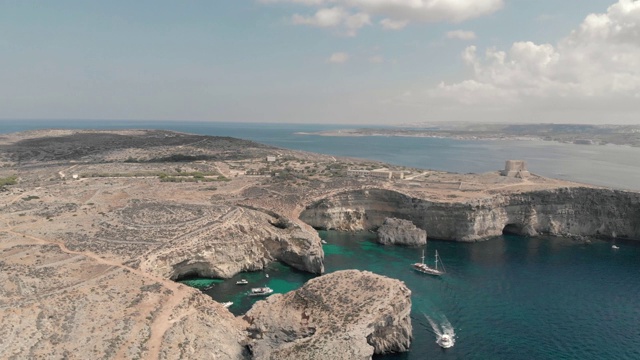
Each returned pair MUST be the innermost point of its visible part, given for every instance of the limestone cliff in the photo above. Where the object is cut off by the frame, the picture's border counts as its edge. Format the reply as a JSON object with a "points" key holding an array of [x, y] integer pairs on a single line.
{"points": [[343, 315], [243, 240], [563, 211], [401, 232]]}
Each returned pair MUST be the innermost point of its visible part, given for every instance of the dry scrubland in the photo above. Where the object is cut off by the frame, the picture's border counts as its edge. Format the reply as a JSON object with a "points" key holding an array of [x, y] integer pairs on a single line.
{"points": [[95, 226]]}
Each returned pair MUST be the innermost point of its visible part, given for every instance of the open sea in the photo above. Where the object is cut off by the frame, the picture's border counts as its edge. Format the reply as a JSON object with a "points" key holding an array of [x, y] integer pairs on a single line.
{"points": [[506, 298]]}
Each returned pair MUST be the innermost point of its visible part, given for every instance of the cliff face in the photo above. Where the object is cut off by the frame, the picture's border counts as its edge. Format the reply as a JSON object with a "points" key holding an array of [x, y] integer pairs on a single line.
{"points": [[245, 240], [562, 212], [343, 315]]}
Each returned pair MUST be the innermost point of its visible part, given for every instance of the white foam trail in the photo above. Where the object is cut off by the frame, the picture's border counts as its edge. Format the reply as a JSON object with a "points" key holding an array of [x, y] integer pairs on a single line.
{"points": [[435, 327], [444, 328]]}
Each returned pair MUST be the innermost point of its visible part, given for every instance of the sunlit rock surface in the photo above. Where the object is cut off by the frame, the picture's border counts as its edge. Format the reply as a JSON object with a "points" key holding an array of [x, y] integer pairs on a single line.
{"points": [[343, 315]]}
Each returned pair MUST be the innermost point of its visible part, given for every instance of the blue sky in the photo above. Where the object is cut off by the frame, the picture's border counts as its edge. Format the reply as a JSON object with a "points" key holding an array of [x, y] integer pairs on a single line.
{"points": [[322, 61]]}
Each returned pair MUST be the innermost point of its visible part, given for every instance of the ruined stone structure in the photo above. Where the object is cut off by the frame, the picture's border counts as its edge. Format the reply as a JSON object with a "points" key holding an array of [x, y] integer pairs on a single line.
{"points": [[515, 168]]}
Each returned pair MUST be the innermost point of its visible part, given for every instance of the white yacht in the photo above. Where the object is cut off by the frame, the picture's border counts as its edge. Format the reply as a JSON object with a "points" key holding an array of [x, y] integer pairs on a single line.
{"points": [[426, 269], [242, 282], [261, 291], [445, 341], [227, 304]]}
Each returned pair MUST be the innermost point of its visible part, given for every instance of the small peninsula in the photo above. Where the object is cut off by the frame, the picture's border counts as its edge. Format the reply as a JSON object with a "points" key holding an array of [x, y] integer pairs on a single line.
{"points": [[97, 226], [563, 133]]}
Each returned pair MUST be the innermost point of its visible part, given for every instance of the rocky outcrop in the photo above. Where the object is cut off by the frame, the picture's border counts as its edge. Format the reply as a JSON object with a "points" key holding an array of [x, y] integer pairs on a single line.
{"points": [[401, 232], [246, 240], [563, 212], [343, 315], [91, 308]]}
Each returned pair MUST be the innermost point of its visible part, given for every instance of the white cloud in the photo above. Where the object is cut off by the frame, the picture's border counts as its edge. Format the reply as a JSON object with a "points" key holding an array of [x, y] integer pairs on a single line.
{"points": [[323, 18], [338, 58], [389, 24], [396, 14], [428, 10], [597, 63], [335, 17], [461, 35], [355, 22]]}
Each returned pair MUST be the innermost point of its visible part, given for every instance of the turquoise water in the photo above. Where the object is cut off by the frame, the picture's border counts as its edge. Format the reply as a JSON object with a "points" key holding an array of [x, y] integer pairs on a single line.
{"points": [[507, 298], [277, 276]]}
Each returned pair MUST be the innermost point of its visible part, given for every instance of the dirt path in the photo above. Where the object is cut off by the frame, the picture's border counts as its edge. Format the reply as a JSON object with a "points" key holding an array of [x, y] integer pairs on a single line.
{"points": [[163, 320]]}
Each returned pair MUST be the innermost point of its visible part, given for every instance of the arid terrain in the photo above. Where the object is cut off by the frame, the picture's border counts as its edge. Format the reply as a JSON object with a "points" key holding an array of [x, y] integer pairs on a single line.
{"points": [[96, 226]]}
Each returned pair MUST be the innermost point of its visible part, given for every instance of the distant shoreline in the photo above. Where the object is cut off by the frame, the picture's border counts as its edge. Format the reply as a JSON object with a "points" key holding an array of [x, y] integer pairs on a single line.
{"points": [[438, 136], [574, 135]]}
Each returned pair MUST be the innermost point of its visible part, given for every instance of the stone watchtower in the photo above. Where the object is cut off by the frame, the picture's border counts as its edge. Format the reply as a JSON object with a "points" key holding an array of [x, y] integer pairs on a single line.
{"points": [[515, 168]]}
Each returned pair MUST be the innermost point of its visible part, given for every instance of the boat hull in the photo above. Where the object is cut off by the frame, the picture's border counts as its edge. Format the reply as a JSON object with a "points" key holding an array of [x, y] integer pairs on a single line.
{"points": [[260, 291], [427, 270], [445, 344]]}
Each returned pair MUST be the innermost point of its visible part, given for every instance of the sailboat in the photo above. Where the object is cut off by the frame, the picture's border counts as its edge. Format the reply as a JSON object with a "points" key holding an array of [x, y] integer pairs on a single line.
{"points": [[426, 269]]}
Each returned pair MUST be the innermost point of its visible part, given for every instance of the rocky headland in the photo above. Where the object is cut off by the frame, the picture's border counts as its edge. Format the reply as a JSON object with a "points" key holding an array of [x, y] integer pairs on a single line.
{"points": [[96, 226], [344, 315]]}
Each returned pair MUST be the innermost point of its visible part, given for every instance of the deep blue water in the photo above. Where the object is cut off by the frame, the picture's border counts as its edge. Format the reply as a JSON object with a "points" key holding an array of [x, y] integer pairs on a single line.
{"points": [[507, 298]]}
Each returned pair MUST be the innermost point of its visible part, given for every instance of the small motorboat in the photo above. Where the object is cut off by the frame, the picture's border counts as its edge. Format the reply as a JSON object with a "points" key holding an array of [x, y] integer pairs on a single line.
{"points": [[242, 282], [322, 241], [261, 291], [227, 304], [445, 341], [615, 247]]}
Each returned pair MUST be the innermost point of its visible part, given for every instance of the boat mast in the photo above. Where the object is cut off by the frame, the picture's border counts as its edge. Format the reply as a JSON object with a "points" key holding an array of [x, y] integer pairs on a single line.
{"points": [[436, 259], [422, 257]]}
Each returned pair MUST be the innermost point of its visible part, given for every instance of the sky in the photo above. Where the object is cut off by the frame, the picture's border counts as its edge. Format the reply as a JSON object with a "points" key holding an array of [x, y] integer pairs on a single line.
{"points": [[392, 62]]}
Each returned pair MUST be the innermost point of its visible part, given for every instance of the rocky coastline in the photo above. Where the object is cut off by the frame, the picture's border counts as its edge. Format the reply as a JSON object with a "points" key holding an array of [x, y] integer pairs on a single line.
{"points": [[96, 226], [346, 315], [586, 212]]}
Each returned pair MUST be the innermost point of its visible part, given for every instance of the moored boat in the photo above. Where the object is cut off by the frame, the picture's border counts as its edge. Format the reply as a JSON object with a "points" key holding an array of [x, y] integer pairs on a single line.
{"points": [[426, 269], [261, 291], [242, 282]]}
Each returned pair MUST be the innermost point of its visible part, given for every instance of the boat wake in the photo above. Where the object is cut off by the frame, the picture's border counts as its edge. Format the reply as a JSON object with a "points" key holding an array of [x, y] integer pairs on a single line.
{"points": [[445, 334]]}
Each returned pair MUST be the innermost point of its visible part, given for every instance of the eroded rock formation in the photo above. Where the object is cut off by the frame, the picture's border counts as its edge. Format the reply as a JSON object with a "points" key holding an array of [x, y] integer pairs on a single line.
{"points": [[240, 239], [400, 232], [564, 211], [343, 315], [99, 223]]}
